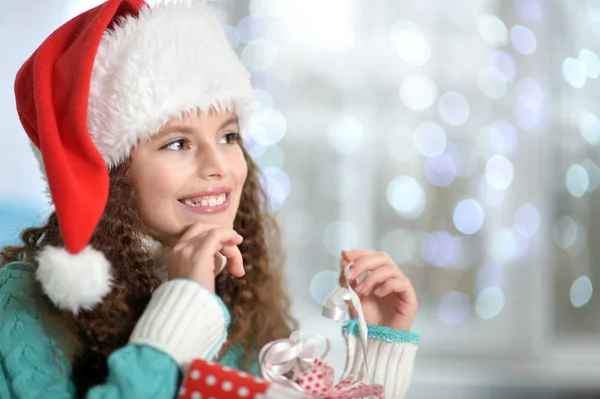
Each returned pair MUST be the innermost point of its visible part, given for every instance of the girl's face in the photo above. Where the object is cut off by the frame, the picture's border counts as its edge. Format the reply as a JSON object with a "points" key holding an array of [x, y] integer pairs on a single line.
{"points": [[192, 171]]}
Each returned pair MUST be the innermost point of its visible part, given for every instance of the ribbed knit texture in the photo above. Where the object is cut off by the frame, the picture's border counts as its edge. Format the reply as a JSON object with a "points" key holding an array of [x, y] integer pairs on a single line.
{"points": [[184, 320], [391, 357]]}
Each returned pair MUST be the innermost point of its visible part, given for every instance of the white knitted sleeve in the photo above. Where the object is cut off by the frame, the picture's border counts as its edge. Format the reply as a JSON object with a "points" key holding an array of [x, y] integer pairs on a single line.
{"points": [[390, 355], [183, 320]]}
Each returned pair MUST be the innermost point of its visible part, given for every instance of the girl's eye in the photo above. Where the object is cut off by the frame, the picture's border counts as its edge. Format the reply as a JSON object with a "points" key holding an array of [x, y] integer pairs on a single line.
{"points": [[230, 138], [177, 145]]}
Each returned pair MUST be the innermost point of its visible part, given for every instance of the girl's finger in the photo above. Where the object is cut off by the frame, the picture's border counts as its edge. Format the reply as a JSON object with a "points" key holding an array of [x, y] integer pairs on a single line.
{"points": [[369, 262], [351, 255], [235, 262], [378, 276], [396, 285]]}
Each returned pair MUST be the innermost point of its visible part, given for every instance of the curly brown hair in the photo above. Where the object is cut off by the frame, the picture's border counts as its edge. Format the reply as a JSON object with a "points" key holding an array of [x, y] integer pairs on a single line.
{"points": [[91, 336]]}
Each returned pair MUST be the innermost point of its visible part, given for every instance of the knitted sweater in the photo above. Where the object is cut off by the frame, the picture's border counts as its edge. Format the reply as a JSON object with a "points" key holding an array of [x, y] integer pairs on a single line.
{"points": [[183, 321]]}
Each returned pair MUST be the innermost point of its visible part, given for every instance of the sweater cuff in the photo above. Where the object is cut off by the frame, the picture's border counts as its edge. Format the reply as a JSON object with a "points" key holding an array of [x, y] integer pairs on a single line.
{"points": [[184, 320], [390, 354]]}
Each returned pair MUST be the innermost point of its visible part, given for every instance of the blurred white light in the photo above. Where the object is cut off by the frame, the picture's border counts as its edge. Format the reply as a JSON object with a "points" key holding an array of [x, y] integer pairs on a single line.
{"points": [[564, 232], [489, 303], [329, 22], [593, 172], [577, 180], [401, 146], [269, 127], [254, 148], [493, 30], [267, 8], [468, 216], [499, 172], [581, 292], [579, 245], [418, 92], [574, 72], [527, 220], [252, 27], [507, 247], [465, 158], [322, 284], [505, 64], [406, 196], [528, 10], [453, 108], [523, 39], [408, 40], [589, 127], [264, 98], [232, 36], [430, 139], [259, 55], [529, 106], [594, 15], [400, 244], [440, 171], [441, 249], [454, 308], [492, 82], [489, 275], [502, 136], [346, 134], [340, 235], [489, 195], [278, 186], [591, 61]]}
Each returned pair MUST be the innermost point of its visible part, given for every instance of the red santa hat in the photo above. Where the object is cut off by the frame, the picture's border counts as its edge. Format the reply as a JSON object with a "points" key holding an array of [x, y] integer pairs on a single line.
{"points": [[101, 83]]}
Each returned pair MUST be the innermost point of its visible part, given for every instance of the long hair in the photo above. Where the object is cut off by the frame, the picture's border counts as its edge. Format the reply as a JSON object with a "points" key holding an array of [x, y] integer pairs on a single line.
{"points": [[257, 302]]}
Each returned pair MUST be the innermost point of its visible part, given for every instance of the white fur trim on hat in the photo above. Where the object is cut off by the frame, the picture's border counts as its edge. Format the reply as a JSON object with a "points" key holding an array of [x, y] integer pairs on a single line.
{"points": [[74, 281], [170, 59]]}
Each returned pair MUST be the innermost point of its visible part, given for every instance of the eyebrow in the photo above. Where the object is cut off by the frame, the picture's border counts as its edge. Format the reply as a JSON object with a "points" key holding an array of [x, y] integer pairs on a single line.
{"points": [[190, 130]]}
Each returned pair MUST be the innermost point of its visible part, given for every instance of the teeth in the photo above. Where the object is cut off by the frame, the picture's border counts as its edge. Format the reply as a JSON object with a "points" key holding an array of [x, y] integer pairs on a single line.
{"points": [[209, 200]]}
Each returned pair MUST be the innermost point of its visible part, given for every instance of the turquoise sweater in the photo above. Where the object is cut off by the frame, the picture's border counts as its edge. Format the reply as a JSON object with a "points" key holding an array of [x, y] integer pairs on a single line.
{"points": [[32, 366]]}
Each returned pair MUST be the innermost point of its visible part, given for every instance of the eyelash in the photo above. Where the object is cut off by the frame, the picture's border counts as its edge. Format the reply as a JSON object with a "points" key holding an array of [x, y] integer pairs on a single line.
{"points": [[231, 138]]}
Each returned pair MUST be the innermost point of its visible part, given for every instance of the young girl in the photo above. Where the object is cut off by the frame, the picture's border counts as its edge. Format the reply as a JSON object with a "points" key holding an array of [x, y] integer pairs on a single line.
{"points": [[135, 114]]}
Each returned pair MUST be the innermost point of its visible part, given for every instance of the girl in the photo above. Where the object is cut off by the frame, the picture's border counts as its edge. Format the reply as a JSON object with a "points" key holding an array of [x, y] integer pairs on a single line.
{"points": [[135, 114]]}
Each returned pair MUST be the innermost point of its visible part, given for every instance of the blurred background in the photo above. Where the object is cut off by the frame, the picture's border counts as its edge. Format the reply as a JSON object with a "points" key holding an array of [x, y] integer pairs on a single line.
{"points": [[460, 136]]}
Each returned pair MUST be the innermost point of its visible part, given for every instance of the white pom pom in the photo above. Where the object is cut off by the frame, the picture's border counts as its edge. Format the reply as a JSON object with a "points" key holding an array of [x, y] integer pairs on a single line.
{"points": [[74, 282]]}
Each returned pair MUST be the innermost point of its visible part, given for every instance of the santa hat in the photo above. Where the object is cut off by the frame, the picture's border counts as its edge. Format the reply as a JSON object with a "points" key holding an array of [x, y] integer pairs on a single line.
{"points": [[101, 83]]}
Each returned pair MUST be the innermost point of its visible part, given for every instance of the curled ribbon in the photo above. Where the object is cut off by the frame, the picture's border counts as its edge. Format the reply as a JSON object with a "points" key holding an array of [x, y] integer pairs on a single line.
{"points": [[295, 354], [336, 307], [292, 362]]}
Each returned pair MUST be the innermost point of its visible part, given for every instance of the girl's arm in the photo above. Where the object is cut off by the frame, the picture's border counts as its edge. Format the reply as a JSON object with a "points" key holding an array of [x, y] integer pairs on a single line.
{"points": [[183, 321]]}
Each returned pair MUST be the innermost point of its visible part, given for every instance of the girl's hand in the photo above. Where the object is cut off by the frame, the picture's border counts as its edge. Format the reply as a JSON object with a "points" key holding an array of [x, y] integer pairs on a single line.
{"points": [[197, 255], [387, 296]]}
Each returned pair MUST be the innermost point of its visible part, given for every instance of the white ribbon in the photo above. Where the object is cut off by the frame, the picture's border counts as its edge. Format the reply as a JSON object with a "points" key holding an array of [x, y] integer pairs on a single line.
{"points": [[336, 307], [295, 354]]}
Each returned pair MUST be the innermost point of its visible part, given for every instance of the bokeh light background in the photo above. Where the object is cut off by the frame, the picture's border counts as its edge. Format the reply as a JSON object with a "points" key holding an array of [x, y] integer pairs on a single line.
{"points": [[461, 137]]}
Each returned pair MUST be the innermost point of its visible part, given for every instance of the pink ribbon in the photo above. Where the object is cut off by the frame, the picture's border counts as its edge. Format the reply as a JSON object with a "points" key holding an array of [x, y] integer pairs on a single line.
{"points": [[318, 382]]}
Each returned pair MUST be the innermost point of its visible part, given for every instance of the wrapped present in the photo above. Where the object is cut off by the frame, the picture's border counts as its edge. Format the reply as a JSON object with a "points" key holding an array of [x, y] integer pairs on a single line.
{"points": [[291, 368], [208, 380]]}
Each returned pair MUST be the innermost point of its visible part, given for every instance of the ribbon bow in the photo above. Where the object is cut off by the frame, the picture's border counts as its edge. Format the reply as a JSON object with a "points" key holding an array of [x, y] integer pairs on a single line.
{"points": [[291, 362], [318, 382]]}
